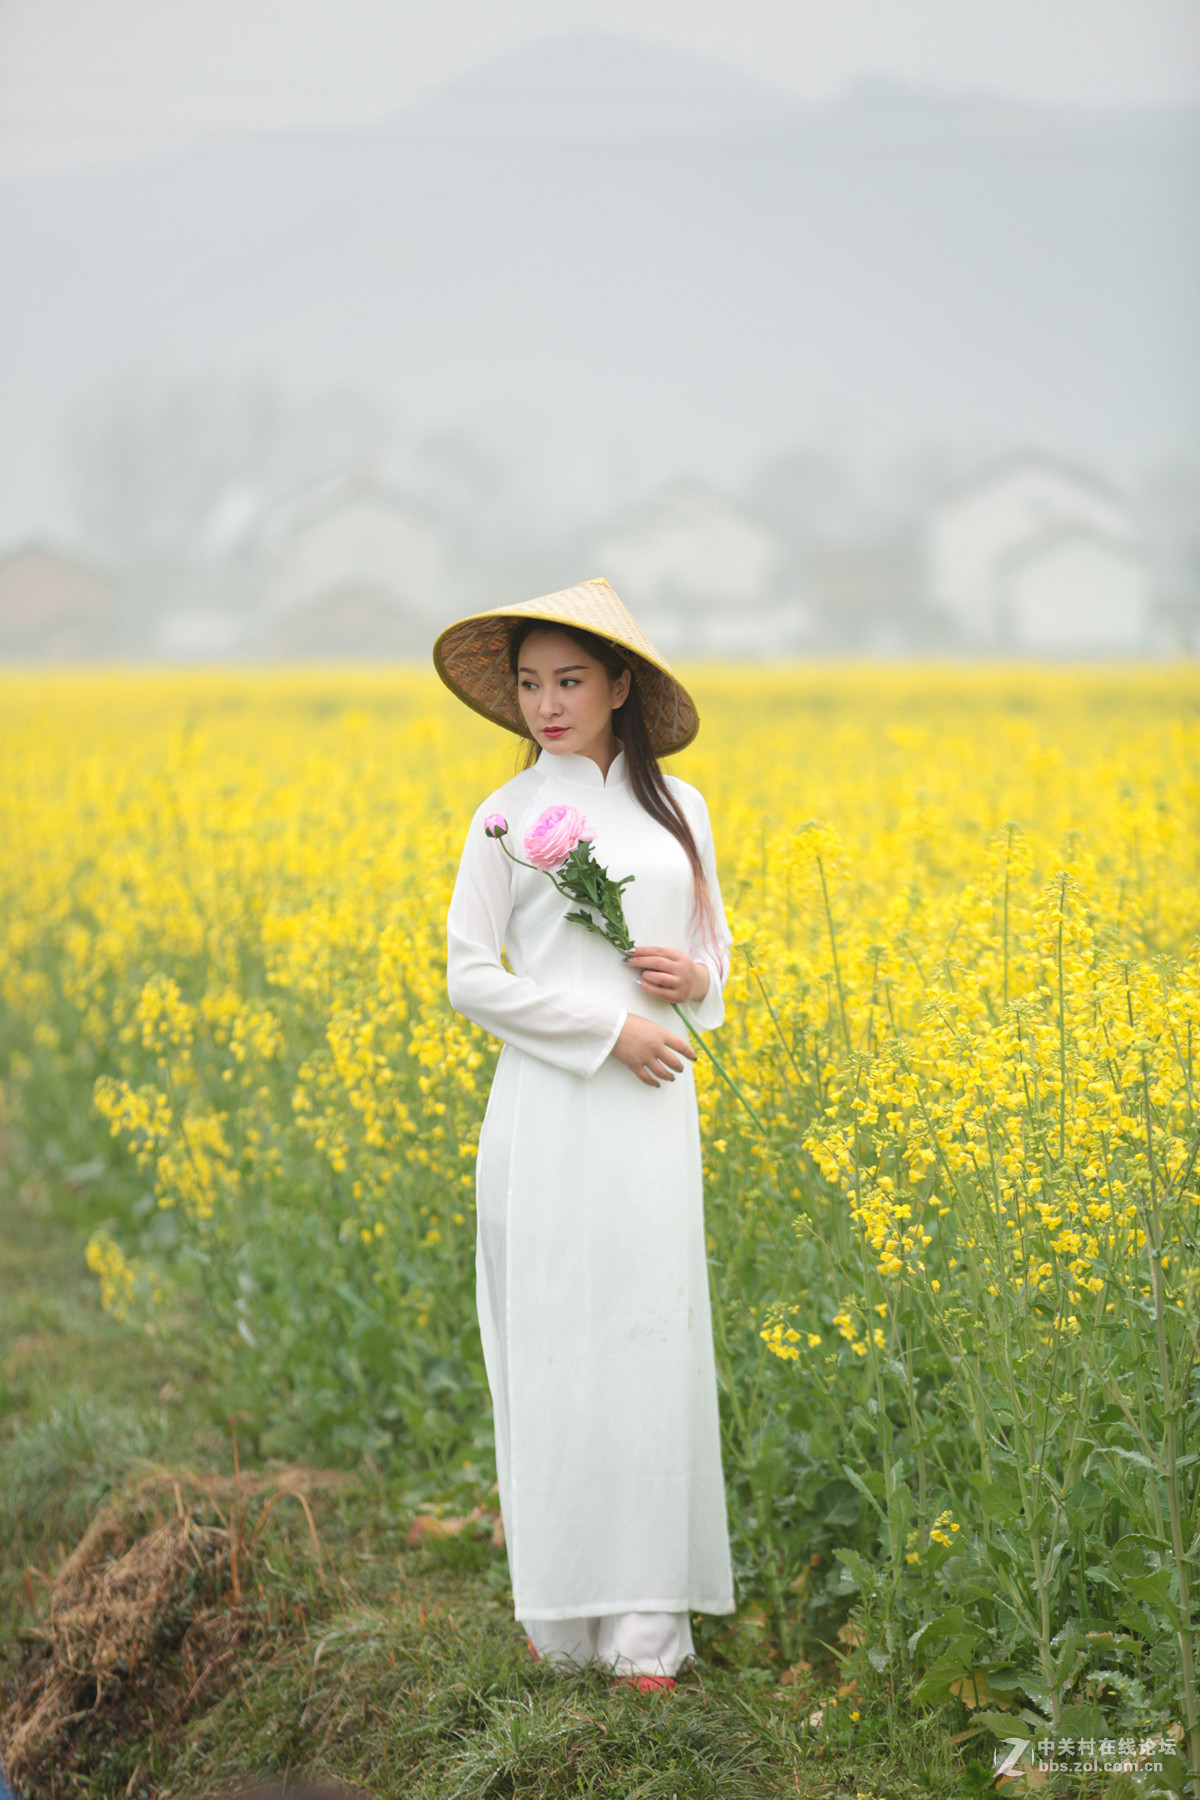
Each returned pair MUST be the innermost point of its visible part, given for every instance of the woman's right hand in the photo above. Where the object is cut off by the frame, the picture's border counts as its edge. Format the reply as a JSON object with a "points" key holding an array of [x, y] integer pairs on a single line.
{"points": [[650, 1051]]}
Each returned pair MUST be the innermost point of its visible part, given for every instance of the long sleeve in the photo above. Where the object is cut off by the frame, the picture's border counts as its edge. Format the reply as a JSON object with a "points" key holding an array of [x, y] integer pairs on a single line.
{"points": [[712, 947], [569, 1030]]}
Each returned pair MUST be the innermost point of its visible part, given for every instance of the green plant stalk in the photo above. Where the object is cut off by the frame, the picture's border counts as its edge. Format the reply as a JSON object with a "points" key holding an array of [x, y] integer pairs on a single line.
{"points": [[787, 1050], [1062, 1028], [914, 1421], [1166, 1377], [1007, 876], [618, 937], [889, 1483], [837, 972], [1028, 1473], [624, 943], [896, 1567], [719, 1067], [1032, 1500], [1022, 1429], [745, 1431]]}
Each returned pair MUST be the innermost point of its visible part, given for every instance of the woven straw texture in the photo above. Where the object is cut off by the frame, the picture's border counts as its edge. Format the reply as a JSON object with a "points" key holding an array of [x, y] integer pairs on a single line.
{"points": [[472, 659]]}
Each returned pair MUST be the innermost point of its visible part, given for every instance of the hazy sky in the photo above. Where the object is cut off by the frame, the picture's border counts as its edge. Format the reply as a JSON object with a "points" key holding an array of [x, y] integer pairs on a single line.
{"points": [[92, 80]]}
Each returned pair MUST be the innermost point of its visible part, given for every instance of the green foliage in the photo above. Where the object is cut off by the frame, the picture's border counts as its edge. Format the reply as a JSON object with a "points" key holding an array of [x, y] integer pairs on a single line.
{"points": [[59, 1467], [233, 1064], [582, 879]]}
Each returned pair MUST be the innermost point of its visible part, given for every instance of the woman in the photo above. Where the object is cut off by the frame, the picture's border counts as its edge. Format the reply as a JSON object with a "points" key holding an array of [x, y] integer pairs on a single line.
{"points": [[591, 1271]]}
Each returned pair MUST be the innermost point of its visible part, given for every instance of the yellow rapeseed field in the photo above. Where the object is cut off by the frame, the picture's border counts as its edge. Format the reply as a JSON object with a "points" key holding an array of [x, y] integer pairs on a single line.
{"points": [[957, 1278]]}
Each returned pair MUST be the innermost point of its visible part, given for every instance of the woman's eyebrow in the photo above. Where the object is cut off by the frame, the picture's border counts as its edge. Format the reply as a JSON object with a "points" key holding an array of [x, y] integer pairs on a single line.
{"points": [[567, 669]]}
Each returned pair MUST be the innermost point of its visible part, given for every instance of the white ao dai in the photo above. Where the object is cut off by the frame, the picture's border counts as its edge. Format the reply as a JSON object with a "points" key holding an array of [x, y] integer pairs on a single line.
{"points": [[592, 1277]]}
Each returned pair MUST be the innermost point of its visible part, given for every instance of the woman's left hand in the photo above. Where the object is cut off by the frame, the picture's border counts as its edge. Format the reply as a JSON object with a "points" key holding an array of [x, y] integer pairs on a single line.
{"points": [[670, 975]]}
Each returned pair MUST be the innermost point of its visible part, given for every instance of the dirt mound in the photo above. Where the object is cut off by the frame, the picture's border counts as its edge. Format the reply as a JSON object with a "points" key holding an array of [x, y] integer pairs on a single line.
{"points": [[143, 1616]]}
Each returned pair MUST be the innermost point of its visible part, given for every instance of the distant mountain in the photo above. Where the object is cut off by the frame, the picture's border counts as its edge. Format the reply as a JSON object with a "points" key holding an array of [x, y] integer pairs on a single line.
{"points": [[591, 87], [601, 253]]}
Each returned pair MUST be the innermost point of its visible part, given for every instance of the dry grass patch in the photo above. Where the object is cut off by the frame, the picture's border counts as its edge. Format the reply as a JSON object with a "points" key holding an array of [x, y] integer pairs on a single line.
{"points": [[145, 1619]]}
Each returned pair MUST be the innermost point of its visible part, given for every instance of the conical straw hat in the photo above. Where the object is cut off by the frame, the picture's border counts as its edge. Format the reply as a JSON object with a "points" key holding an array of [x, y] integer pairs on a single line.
{"points": [[472, 659]]}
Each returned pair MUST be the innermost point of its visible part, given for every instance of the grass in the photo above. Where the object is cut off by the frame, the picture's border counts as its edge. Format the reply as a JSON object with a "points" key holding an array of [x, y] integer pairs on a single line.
{"points": [[397, 1669]]}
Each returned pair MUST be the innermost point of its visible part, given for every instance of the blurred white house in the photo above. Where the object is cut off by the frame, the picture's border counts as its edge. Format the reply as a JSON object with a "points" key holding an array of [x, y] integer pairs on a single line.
{"points": [[204, 634], [350, 568], [701, 573], [54, 608], [865, 597], [1035, 555], [1071, 589]]}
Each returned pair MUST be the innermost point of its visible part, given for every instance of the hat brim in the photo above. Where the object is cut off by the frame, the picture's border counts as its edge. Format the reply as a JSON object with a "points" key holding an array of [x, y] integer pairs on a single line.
{"points": [[471, 657]]}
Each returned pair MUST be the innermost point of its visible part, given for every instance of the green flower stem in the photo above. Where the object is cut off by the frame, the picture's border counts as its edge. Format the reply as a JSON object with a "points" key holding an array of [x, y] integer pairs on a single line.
{"points": [[499, 838], [719, 1067], [624, 947]]}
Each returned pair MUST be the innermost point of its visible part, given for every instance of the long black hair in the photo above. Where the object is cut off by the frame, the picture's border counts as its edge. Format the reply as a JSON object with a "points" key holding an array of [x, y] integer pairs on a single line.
{"points": [[647, 780]]}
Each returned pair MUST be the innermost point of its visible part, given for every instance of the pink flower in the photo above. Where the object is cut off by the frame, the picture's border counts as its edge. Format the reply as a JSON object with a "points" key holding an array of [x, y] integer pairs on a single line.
{"points": [[553, 835], [495, 825]]}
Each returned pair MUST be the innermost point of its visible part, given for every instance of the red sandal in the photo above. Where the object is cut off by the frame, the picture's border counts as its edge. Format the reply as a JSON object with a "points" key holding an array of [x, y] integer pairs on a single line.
{"points": [[533, 1651], [647, 1684]]}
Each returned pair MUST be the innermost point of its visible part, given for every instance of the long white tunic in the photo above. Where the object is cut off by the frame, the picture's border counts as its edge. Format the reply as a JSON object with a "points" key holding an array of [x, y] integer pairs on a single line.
{"points": [[592, 1280]]}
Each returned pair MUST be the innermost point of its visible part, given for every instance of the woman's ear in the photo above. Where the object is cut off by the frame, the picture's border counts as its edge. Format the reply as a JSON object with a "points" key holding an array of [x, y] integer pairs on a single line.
{"points": [[621, 689]]}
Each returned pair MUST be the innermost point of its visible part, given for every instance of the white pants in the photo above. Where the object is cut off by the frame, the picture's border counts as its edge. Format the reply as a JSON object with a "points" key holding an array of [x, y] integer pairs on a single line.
{"points": [[633, 1643]]}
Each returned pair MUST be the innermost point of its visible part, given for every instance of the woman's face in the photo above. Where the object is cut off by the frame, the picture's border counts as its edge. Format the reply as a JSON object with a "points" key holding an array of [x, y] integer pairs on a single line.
{"points": [[567, 697]]}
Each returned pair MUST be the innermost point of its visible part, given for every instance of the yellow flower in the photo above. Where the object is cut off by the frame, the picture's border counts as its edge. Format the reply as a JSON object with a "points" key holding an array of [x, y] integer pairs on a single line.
{"points": [[106, 1259], [943, 1529], [964, 976]]}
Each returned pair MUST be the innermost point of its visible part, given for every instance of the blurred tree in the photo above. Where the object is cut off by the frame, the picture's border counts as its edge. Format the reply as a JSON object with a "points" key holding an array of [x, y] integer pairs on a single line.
{"points": [[809, 496], [167, 478], [1168, 500]]}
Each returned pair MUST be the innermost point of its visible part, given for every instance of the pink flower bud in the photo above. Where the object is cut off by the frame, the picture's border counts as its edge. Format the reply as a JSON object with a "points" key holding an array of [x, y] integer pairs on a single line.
{"points": [[495, 825], [553, 835]]}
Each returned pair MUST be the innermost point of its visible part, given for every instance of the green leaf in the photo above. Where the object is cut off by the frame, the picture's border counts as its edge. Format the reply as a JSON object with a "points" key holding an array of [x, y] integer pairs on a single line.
{"points": [[901, 1507], [1001, 1724], [1069, 1654], [1096, 1573], [1155, 1588], [862, 1575], [999, 1501], [955, 1661], [1004, 1681], [858, 1482], [1133, 1456], [933, 1629], [1081, 1721]]}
